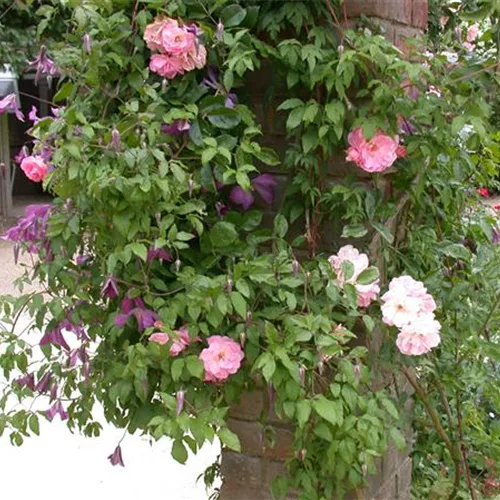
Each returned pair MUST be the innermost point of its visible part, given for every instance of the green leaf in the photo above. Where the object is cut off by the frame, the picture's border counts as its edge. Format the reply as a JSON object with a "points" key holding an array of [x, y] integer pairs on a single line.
{"points": [[303, 412], [280, 226], [295, 118], [176, 368], [194, 366], [347, 268], [64, 92], [140, 250], [368, 276], [290, 104], [331, 411], [224, 118], [229, 439], [390, 408], [384, 232], [233, 15], [398, 438], [223, 234], [239, 304], [354, 231], [179, 451], [322, 430], [34, 424]]}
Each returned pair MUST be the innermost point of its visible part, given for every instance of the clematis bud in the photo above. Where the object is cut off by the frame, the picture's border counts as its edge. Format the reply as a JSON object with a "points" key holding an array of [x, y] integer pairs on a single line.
{"points": [[302, 454], [177, 265], [308, 277], [249, 318], [228, 287], [364, 469], [158, 217], [116, 457], [53, 392], [219, 32], [341, 50], [321, 367], [115, 143], [357, 371], [110, 289], [302, 375], [243, 339], [164, 84], [43, 383], [295, 267], [87, 43], [180, 402], [190, 187], [56, 409]]}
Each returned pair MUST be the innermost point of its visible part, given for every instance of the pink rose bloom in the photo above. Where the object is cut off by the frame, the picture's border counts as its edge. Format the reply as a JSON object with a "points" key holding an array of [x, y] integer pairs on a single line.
{"points": [[407, 286], [472, 32], [469, 46], [222, 358], [376, 155], [180, 340], [153, 32], [367, 293], [197, 58], [35, 168], [166, 66], [400, 311], [177, 41], [359, 260], [420, 336]]}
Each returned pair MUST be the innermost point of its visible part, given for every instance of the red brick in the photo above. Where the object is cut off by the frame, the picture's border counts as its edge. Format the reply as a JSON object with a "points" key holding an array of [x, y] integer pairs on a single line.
{"points": [[250, 434], [250, 406], [242, 469], [420, 14], [231, 490]]}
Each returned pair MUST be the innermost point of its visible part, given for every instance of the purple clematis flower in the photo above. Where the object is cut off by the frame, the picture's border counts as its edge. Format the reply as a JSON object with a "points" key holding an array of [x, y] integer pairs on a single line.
{"points": [[219, 32], [54, 337], [116, 457], [110, 288], [9, 103], [33, 115], [231, 100], [81, 260], [44, 65], [180, 402], [264, 184], [57, 409], [115, 143], [211, 80], [27, 381], [160, 254], [23, 153], [135, 307], [78, 354], [43, 384], [222, 209], [87, 43], [176, 128], [31, 229]]}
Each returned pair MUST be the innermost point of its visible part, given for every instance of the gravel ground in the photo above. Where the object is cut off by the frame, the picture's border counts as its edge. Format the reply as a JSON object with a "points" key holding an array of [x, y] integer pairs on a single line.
{"points": [[58, 465]]}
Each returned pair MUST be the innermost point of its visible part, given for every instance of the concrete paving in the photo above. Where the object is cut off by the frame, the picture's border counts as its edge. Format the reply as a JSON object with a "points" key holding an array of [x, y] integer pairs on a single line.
{"points": [[59, 465]]}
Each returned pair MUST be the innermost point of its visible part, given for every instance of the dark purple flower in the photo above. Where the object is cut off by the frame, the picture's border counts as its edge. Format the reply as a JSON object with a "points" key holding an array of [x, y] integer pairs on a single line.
{"points": [[78, 354], [44, 65], [265, 185], [241, 197], [222, 209], [43, 384], [110, 288], [176, 128], [56, 409], [116, 457], [9, 103], [180, 402], [54, 389], [56, 111], [54, 337], [135, 307], [219, 32], [160, 254], [87, 43], [27, 381], [211, 80], [81, 260]]}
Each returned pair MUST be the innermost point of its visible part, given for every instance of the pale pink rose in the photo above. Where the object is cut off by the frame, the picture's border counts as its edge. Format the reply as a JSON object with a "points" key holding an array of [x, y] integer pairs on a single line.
{"points": [[376, 155], [420, 336], [359, 260], [469, 46], [222, 358], [153, 32], [176, 40], [472, 32], [197, 58], [35, 168], [367, 293], [166, 66], [400, 311]]}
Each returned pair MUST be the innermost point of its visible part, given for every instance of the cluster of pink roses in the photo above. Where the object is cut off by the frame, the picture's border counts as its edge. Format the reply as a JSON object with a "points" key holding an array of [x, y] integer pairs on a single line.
{"points": [[366, 293], [35, 168], [220, 359], [472, 34], [408, 306], [374, 155], [178, 46]]}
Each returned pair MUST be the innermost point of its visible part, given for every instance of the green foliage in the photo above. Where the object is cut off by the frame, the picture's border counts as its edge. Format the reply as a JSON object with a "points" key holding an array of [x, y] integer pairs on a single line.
{"points": [[237, 276]]}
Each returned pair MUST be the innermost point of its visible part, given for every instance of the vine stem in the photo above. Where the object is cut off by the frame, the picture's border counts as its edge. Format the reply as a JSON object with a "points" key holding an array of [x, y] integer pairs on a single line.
{"points": [[437, 425]]}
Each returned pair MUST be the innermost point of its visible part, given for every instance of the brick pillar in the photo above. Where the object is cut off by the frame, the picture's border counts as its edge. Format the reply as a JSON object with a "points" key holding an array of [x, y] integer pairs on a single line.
{"points": [[248, 476]]}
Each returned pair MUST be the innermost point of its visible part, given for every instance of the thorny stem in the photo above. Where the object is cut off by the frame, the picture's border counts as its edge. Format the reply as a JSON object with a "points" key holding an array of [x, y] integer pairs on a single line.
{"points": [[438, 426]]}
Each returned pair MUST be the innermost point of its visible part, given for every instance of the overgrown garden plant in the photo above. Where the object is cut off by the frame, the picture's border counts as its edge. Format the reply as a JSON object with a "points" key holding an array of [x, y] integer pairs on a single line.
{"points": [[165, 293]]}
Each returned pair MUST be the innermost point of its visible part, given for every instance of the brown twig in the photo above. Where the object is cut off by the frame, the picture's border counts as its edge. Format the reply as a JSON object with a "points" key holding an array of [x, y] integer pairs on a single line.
{"points": [[454, 453]]}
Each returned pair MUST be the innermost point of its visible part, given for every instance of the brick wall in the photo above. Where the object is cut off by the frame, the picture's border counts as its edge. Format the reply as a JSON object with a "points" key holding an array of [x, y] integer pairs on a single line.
{"points": [[248, 476]]}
